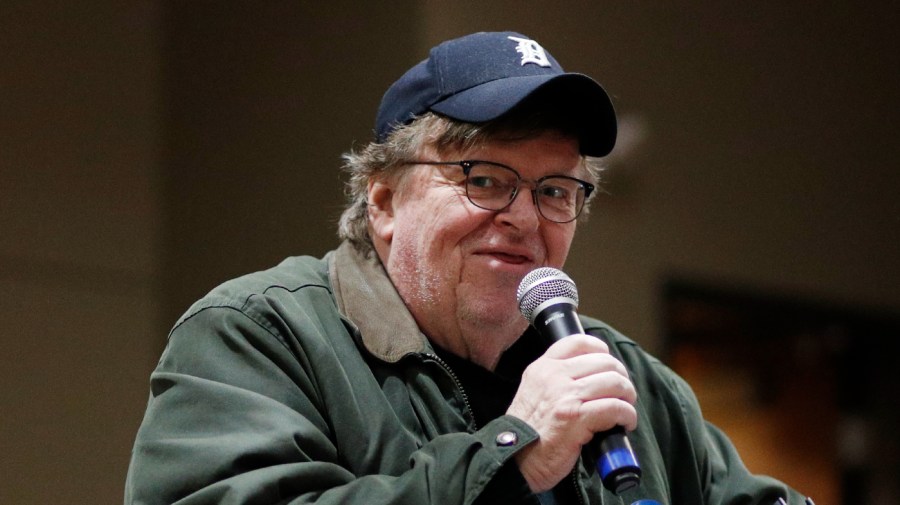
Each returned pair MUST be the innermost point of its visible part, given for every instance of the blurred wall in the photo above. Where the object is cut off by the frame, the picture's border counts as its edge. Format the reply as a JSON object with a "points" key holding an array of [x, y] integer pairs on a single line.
{"points": [[261, 100], [151, 150], [80, 216]]}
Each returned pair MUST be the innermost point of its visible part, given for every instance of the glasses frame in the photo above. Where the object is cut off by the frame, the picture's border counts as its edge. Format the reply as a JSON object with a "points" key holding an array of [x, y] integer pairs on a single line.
{"points": [[467, 166]]}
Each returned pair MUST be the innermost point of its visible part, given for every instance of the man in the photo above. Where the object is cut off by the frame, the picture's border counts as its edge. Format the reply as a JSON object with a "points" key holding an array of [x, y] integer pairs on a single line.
{"points": [[398, 369]]}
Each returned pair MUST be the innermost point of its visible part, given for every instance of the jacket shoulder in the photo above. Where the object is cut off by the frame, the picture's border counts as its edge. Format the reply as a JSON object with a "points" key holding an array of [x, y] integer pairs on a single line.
{"points": [[612, 336], [631, 353], [296, 278]]}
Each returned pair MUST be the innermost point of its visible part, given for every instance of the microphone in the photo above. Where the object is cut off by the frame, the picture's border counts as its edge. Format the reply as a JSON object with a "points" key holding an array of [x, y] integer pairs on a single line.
{"points": [[548, 299]]}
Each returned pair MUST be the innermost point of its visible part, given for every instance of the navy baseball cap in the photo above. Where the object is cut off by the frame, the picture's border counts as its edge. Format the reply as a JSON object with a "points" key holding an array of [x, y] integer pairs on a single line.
{"points": [[480, 77]]}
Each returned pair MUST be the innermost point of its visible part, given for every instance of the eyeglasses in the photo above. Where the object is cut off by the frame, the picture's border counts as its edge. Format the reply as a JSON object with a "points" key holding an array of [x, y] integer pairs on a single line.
{"points": [[493, 186]]}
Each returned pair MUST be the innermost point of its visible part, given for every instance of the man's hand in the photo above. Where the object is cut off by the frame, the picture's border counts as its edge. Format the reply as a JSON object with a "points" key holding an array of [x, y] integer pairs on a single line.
{"points": [[576, 389]]}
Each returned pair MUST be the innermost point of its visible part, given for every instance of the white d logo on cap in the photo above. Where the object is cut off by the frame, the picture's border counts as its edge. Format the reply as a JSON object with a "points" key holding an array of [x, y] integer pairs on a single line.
{"points": [[531, 52]]}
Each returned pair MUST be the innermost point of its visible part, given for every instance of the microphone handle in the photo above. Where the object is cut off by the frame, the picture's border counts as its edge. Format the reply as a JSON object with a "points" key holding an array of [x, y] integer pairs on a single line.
{"points": [[618, 466]]}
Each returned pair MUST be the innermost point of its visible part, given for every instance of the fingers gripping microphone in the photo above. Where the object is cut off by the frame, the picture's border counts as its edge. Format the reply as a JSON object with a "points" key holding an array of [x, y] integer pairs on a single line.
{"points": [[548, 299]]}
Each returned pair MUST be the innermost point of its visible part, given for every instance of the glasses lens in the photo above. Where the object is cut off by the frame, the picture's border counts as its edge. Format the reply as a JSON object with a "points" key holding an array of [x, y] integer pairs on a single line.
{"points": [[491, 186], [560, 199]]}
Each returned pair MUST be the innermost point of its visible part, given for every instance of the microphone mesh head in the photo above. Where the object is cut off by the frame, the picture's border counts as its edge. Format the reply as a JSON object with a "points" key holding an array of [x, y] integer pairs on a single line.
{"points": [[543, 284]]}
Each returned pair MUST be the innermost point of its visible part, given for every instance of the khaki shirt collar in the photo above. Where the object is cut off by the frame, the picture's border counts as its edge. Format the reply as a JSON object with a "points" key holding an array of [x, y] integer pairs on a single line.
{"points": [[366, 296]]}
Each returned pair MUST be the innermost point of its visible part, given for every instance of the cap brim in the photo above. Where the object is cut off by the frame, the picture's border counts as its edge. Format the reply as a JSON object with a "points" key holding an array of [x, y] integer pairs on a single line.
{"points": [[578, 95]]}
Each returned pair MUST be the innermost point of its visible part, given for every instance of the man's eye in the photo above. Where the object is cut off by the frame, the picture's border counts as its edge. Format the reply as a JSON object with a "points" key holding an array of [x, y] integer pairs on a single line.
{"points": [[554, 192], [483, 182]]}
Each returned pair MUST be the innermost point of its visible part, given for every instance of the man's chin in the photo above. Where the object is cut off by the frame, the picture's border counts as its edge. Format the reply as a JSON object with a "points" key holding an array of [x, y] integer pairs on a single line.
{"points": [[494, 316]]}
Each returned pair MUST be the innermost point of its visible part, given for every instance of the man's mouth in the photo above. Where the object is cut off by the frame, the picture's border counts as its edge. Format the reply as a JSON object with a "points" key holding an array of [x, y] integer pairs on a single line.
{"points": [[507, 255], [514, 259]]}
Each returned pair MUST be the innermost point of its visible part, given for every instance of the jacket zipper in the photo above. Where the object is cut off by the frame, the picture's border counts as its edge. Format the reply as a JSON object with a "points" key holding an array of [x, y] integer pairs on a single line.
{"points": [[577, 487], [459, 386]]}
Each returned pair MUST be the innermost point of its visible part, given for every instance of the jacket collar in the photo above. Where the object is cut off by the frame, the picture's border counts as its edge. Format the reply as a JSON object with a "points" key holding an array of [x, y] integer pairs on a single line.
{"points": [[366, 296]]}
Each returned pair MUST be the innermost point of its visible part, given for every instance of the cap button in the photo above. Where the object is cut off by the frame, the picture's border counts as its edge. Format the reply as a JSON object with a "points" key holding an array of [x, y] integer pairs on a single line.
{"points": [[507, 438]]}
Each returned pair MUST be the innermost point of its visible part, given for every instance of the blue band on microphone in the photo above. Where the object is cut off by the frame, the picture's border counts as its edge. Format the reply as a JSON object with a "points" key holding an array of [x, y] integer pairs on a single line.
{"points": [[614, 459]]}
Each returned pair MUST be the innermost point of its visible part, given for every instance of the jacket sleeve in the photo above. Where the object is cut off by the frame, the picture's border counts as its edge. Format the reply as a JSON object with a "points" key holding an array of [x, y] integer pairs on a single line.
{"points": [[236, 416]]}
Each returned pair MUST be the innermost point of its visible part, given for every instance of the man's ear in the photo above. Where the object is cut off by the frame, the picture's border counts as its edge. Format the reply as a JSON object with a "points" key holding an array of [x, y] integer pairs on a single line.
{"points": [[381, 210]]}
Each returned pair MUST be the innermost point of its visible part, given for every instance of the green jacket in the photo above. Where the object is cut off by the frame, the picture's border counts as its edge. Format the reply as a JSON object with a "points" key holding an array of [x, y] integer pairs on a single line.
{"points": [[310, 382]]}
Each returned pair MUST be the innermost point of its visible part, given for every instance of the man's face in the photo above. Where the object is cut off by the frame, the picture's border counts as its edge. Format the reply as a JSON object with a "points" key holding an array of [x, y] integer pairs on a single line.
{"points": [[457, 266]]}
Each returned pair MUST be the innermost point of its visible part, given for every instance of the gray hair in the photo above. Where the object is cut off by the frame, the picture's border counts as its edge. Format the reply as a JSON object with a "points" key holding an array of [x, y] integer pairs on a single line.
{"points": [[380, 161]]}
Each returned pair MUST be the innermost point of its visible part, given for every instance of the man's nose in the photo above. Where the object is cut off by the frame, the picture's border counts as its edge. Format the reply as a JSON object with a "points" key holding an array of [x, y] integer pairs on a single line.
{"points": [[522, 212]]}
